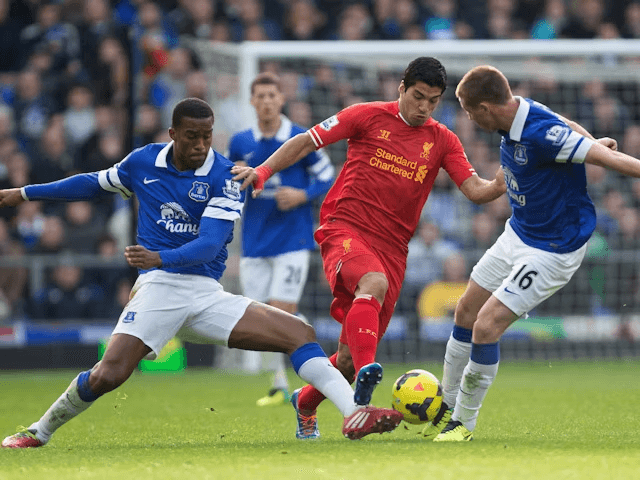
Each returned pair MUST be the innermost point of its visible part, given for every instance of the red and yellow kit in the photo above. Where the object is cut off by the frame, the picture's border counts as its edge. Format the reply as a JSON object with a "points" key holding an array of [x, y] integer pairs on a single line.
{"points": [[389, 171], [374, 206]]}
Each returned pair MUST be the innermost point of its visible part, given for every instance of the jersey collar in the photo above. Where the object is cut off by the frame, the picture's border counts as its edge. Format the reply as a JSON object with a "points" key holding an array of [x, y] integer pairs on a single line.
{"points": [[515, 133], [282, 135], [161, 160]]}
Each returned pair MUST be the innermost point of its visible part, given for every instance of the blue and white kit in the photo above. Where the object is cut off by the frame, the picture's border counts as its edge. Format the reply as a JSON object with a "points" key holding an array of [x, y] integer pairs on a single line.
{"points": [[187, 217], [544, 241]]}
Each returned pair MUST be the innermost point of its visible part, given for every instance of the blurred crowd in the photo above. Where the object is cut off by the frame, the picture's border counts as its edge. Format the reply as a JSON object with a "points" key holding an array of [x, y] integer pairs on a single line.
{"points": [[82, 82]]}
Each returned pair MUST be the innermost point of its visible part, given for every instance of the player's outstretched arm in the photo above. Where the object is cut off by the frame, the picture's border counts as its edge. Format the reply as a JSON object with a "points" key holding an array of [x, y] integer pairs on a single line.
{"points": [[289, 153], [480, 190], [604, 156], [11, 197]]}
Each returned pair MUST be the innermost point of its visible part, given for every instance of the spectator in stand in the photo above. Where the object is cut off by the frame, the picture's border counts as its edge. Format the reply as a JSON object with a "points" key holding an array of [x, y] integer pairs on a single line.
{"points": [[17, 175], [32, 108], [10, 28], [61, 39], [303, 21], [52, 240], [631, 26], [107, 279], [585, 19], [631, 140], [427, 252], [439, 298], [65, 296], [300, 112], [110, 150], [484, 232], [220, 32], [80, 116], [29, 224], [197, 85], [251, 13], [13, 280], [168, 87], [106, 118], [97, 24], [147, 125], [354, 23], [53, 160], [441, 21], [552, 21], [112, 73], [84, 225], [202, 13]]}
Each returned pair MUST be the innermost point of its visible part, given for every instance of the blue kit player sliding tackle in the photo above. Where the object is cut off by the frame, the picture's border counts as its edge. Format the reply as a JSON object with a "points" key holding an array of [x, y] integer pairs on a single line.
{"points": [[188, 204], [543, 156]]}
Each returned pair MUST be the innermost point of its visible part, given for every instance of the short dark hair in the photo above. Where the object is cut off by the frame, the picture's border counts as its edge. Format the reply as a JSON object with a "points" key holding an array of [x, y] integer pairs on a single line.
{"points": [[191, 108], [428, 70], [266, 78]]}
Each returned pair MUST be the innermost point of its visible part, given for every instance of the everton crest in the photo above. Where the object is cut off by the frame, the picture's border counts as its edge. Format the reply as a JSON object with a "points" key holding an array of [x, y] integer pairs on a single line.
{"points": [[199, 192], [520, 154]]}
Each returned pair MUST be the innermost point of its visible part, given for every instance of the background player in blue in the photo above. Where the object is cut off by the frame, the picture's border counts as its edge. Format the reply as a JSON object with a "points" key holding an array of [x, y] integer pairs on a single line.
{"points": [[187, 208], [544, 241], [277, 226]]}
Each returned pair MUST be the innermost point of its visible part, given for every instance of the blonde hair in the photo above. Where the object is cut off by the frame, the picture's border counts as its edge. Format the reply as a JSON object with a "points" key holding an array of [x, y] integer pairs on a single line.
{"points": [[484, 84]]}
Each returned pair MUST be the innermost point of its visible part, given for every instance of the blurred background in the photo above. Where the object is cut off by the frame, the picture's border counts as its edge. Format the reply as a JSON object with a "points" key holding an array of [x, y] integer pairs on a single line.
{"points": [[83, 82]]}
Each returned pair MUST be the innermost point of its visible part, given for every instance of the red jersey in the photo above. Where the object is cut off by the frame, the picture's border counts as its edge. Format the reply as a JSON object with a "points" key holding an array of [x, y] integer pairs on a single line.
{"points": [[389, 171]]}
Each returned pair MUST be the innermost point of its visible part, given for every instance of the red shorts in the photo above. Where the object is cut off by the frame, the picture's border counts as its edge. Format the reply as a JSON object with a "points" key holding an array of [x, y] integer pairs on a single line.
{"points": [[346, 257]]}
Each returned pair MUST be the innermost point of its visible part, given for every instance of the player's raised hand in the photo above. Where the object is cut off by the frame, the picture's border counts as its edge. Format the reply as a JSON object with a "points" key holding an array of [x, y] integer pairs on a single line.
{"points": [[139, 257], [10, 197], [608, 142], [500, 179]]}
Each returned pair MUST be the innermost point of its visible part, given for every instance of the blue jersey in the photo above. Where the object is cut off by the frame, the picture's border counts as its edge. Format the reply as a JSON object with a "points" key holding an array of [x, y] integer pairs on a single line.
{"points": [[187, 217], [543, 162], [268, 231]]}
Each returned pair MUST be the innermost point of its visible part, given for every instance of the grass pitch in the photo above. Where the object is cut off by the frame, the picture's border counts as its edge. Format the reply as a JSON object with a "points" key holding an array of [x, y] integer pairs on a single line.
{"points": [[556, 420]]}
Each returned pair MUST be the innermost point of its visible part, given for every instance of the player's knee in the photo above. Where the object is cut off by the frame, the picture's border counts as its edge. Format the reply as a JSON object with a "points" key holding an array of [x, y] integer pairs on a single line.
{"points": [[485, 330], [373, 283], [108, 377], [308, 332], [465, 316]]}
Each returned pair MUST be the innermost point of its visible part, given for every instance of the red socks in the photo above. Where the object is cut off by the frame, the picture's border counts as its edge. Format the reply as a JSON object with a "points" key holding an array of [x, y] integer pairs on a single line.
{"points": [[361, 327]]}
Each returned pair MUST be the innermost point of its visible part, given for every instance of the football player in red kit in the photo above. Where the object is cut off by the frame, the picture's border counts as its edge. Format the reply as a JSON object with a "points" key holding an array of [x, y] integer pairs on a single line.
{"points": [[395, 150]]}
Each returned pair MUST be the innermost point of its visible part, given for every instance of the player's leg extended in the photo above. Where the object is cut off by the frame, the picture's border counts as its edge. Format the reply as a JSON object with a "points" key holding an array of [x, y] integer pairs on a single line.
{"points": [[457, 354], [123, 354], [265, 328]]}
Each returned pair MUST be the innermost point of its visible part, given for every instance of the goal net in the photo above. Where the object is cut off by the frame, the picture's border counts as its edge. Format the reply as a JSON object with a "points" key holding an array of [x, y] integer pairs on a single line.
{"points": [[596, 83]]}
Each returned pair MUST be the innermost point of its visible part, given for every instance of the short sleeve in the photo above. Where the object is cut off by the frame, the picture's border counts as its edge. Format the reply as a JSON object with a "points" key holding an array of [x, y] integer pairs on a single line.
{"points": [[455, 160], [347, 123]]}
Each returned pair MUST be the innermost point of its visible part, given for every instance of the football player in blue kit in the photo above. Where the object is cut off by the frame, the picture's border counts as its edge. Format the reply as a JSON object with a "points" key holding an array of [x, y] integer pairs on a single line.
{"points": [[277, 226], [188, 204], [543, 156]]}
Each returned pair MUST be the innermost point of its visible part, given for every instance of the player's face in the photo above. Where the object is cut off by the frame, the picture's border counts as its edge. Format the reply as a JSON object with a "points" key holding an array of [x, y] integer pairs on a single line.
{"points": [[418, 102], [192, 141], [268, 102], [480, 114]]}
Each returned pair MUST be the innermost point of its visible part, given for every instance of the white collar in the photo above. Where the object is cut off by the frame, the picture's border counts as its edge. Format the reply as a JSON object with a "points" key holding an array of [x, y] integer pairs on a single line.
{"points": [[282, 135], [161, 160], [515, 132]]}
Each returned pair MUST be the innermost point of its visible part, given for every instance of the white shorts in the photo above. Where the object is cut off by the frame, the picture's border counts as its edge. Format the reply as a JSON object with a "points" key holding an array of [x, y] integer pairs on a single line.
{"points": [[280, 278], [522, 277], [191, 307]]}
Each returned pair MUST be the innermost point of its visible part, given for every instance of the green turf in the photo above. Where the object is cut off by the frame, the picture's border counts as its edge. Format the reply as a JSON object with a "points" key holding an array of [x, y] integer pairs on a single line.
{"points": [[542, 421]]}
